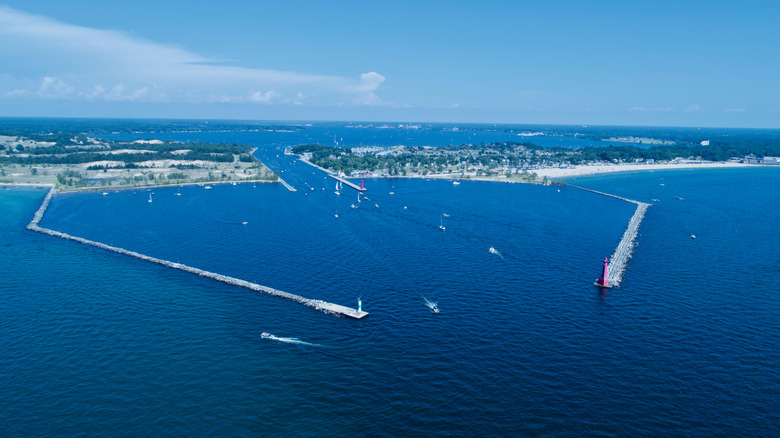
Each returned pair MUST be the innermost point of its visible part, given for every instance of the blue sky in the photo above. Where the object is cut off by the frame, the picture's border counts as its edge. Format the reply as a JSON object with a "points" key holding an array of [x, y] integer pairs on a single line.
{"points": [[667, 63]]}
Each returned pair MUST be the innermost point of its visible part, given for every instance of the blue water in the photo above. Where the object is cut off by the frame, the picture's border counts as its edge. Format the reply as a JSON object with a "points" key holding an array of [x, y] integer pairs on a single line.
{"points": [[94, 341], [352, 136]]}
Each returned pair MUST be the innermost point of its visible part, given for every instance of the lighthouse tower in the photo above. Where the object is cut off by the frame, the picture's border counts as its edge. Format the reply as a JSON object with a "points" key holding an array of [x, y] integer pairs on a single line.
{"points": [[604, 280]]}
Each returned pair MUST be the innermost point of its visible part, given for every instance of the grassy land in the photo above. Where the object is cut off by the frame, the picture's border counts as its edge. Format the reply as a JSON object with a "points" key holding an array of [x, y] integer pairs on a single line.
{"points": [[100, 165]]}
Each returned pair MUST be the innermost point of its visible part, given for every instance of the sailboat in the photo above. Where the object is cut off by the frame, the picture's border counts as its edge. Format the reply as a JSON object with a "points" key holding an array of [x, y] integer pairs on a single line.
{"points": [[359, 201], [150, 197], [178, 191], [441, 222], [337, 189]]}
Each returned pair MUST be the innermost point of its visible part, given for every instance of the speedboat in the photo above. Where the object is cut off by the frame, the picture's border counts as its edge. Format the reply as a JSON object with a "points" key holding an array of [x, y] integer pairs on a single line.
{"points": [[266, 335], [693, 236], [435, 308]]}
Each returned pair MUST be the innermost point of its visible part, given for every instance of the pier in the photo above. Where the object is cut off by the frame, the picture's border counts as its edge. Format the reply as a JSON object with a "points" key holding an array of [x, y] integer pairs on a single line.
{"points": [[323, 306], [288, 186], [625, 249], [344, 181]]}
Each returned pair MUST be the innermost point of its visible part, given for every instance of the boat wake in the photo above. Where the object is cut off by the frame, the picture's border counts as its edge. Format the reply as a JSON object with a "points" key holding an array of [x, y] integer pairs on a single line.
{"points": [[297, 341], [495, 251], [431, 305]]}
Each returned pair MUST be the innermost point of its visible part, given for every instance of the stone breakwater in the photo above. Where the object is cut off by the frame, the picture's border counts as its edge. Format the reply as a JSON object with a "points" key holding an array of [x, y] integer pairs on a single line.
{"points": [[320, 305], [625, 249]]}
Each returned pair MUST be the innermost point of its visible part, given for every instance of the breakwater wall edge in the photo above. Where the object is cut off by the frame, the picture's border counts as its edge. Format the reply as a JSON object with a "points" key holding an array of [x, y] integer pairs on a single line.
{"points": [[618, 263], [320, 305]]}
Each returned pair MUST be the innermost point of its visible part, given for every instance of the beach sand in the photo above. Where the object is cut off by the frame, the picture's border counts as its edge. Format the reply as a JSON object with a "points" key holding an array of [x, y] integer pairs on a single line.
{"points": [[571, 171]]}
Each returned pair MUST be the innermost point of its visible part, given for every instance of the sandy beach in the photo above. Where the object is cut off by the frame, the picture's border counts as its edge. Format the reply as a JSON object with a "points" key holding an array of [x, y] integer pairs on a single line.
{"points": [[571, 171]]}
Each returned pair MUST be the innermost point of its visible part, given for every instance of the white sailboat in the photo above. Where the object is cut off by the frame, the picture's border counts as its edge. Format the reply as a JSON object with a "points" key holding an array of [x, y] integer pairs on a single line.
{"points": [[441, 222], [178, 191], [150, 197]]}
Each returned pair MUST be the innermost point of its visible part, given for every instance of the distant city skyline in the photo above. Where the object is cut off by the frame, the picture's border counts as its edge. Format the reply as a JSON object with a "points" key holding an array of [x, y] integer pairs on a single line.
{"points": [[707, 64]]}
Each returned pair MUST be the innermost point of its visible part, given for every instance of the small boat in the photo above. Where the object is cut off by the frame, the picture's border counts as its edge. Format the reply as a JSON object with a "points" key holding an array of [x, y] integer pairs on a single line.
{"points": [[207, 187], [435, 308], [693, 236], [105, 193], [244, 223], [178, 191], [353, 206], [150, 197], [266, 335], [441, 222], [456, 183]]}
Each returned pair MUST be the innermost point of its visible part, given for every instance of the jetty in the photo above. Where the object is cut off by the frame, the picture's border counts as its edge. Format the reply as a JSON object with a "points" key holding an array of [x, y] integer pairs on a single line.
{"points": [[613, 270], [344, 181], [287, 185], [323, 306]]}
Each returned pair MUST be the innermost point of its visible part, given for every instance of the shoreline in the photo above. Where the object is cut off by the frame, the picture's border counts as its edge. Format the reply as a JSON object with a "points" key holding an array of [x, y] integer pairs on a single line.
{"points": [[118, 188], [584, 170]]}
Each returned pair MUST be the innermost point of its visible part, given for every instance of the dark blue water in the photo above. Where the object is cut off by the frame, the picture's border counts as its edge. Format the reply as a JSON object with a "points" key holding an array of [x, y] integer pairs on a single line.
{"points": [[353, 136], [93, 341]]}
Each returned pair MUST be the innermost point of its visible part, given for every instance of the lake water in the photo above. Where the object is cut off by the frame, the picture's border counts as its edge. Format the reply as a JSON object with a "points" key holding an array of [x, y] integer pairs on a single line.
{"points": [[95, 342]]}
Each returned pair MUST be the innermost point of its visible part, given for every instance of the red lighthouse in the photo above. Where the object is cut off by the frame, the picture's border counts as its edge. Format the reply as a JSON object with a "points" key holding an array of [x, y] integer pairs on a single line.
{"points": [[604, 280]]}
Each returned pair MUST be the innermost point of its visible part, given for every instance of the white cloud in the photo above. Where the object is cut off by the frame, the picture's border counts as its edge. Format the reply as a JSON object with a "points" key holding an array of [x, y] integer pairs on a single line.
{"points": [[369, 82], [693, 108], [17, 93], [55, 88], [734, 110], [656, 109], [87, 59], [267, 97]]}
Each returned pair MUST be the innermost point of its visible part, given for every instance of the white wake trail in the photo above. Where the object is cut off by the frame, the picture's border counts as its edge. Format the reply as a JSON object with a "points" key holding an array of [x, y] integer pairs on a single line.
{"points": [[288, 340]]}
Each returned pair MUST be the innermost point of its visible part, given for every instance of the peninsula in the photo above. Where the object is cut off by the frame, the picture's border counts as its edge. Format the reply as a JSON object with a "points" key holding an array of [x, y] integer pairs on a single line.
{"points": [[524, 162], [74, 162]]}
